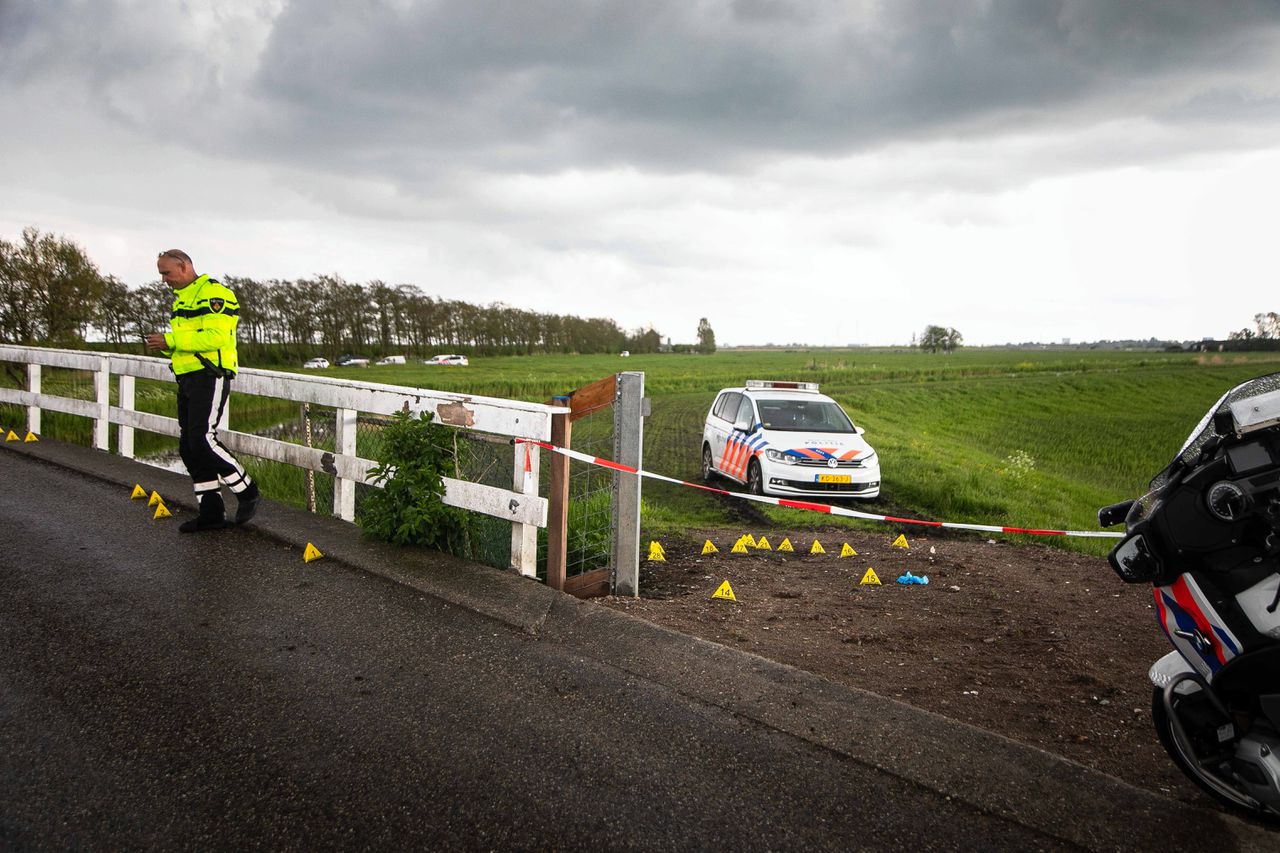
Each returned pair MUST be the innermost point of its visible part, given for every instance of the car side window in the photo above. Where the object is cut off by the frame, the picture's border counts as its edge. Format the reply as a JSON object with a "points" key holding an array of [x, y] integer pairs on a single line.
{"points": [[746, 412], [727, 406]]}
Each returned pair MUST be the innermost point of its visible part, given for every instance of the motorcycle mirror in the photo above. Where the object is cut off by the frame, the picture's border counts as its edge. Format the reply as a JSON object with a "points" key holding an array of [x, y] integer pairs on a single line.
{"points": [[1134, 560], [1223, 423]]}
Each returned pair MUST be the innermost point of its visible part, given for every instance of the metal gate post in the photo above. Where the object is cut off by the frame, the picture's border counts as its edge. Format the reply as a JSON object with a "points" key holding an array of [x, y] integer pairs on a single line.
{"points": [[628, 448]]}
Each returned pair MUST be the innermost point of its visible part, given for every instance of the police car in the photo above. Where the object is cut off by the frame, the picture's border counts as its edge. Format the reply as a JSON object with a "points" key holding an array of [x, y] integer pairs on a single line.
{"points": [[784, 438]]}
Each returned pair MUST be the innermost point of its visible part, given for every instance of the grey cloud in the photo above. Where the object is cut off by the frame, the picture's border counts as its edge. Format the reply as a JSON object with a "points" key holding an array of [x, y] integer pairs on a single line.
{"points": [[414, 90], [542, 85]]}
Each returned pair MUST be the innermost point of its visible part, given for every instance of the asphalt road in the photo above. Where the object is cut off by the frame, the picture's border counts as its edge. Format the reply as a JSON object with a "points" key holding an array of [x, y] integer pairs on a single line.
{"points": [[167, 691]]}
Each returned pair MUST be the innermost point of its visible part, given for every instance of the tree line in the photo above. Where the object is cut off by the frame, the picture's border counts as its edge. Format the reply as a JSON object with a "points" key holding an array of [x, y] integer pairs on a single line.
{"points": [[1266, 327], [52, 294]]}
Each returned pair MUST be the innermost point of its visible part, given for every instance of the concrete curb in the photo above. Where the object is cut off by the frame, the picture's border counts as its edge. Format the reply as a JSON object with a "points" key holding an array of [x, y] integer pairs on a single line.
{"points": [[997, 776]]}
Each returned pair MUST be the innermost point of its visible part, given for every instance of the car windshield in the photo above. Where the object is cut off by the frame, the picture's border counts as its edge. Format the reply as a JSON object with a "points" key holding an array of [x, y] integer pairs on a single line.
{"points": [[804, 416]]}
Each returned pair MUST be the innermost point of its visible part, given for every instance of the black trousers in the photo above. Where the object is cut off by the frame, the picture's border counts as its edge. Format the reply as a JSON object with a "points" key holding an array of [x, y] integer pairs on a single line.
{"points": [[202, 398]]}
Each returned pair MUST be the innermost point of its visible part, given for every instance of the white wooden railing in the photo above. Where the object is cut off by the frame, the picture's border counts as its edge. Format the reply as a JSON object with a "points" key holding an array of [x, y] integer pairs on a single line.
{"points": [[521, 505]]}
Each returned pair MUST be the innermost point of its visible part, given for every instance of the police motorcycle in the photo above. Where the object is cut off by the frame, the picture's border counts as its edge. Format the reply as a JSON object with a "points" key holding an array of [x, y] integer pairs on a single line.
{"points": [[1206, 536]]}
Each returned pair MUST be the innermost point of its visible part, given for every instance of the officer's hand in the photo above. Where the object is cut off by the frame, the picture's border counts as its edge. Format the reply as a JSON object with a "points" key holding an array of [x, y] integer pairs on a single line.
{"points": [[155, 341]]}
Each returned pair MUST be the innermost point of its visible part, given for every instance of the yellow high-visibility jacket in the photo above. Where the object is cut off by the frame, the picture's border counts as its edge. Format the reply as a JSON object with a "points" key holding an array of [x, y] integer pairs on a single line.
{"points": [[203, 327]]}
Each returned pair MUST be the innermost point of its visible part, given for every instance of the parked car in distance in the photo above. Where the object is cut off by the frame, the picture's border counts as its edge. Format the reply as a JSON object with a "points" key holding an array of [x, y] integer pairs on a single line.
{"points": [[391, 359], [315, 363], [458, 360], [352, 361], [784, 438], [625, 353]]}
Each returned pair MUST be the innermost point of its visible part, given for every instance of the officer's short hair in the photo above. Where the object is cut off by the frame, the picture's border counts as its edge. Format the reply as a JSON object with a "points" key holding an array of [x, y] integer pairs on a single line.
{"points": [[177, 255]]}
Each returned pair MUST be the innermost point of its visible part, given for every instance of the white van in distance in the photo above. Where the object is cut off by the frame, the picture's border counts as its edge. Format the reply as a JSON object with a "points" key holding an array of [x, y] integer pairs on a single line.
{"points": [[390, 359], [786, 439]]}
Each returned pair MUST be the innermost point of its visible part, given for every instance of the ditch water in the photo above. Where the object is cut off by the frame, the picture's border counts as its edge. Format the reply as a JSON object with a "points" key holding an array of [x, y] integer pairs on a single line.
{"points": [[293, 431]]}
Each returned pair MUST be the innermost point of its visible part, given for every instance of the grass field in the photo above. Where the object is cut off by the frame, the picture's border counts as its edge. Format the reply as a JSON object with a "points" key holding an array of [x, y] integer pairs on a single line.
{"points": [[1027, 438]]}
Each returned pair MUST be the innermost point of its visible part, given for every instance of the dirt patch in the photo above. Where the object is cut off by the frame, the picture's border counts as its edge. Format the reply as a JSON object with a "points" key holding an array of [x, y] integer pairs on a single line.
{"points": [[1044, 647]]}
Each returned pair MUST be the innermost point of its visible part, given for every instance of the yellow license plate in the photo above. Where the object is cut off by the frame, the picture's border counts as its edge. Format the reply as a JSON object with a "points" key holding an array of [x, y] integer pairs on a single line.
{"points": [[834, 478]]}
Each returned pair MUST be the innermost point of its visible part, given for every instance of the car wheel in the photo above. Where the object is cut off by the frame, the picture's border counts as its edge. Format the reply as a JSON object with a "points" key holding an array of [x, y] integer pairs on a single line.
{"points": [[708, 468], [755, 480]]}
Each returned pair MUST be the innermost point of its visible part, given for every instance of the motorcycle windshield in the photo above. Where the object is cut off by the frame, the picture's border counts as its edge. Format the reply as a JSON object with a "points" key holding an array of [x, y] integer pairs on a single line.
{"points": [[1190, 451]]}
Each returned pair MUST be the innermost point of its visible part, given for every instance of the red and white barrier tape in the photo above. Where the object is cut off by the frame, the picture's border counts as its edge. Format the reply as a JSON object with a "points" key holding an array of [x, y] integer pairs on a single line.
{"points": [[816, 507]]}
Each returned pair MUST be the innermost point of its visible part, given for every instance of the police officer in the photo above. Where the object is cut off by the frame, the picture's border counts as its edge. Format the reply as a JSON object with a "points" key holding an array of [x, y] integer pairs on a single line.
{"points": [[201, 345]]}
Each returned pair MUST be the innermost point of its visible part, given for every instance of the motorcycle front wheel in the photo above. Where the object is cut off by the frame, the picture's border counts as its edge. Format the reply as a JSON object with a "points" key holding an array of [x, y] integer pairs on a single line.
{"points": [[1184, 756]]}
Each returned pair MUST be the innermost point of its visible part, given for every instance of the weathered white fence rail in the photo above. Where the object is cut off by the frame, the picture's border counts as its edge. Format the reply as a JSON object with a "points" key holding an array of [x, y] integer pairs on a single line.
{"points": [[521, 505]]}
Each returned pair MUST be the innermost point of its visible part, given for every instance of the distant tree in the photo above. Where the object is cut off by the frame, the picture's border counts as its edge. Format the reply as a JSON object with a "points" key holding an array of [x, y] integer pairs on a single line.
{"points": [[939, 338], [49, 290], [706, 337], [1266, 327], [111, 316], [644, 340]]}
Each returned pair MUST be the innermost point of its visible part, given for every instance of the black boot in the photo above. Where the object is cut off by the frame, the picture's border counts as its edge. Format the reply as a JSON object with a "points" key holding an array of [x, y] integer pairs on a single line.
{"points": [[213, 515], [247, 504]]}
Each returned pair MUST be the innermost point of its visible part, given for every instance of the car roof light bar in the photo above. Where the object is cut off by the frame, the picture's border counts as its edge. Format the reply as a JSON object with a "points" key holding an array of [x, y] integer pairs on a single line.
{"points": [[788, 386]]}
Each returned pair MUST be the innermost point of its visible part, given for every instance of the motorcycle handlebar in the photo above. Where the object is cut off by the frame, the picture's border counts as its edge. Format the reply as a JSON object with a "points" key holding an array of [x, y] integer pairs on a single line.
{"points": [[1110, 516]]}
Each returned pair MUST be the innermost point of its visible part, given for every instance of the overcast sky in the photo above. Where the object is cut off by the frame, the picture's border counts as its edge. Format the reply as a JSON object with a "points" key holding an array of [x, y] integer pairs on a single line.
{"points": [[824, 172]]}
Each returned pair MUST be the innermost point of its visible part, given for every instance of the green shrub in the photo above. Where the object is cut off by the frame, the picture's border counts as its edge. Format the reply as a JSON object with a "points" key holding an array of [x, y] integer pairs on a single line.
{"points": [[410, 508]]}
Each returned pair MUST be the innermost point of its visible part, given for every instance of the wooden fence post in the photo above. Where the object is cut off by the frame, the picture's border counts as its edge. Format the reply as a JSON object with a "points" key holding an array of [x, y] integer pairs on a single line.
{"points": [[558, 505]]}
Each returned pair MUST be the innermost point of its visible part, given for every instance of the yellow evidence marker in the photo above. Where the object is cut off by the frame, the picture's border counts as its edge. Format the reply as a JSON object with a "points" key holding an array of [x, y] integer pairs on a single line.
{"points": [[155, 498], [708, 548], [162, 511], [656, 554], [739, 547], [138, 492], [12, 436], [816, 548], [786, 546], [901, 541], [870, 578], [725, 591], [312, 553], [847, 551], [31, 436], [763, 544]]}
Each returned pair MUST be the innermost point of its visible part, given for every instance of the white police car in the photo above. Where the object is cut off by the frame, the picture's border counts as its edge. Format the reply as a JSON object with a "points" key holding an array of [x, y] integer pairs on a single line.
{"points": [[784, 438]]}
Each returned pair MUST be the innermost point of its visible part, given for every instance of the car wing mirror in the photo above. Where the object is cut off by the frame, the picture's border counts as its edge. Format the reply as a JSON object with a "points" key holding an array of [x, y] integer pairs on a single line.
{"points": [[742, 425]]}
